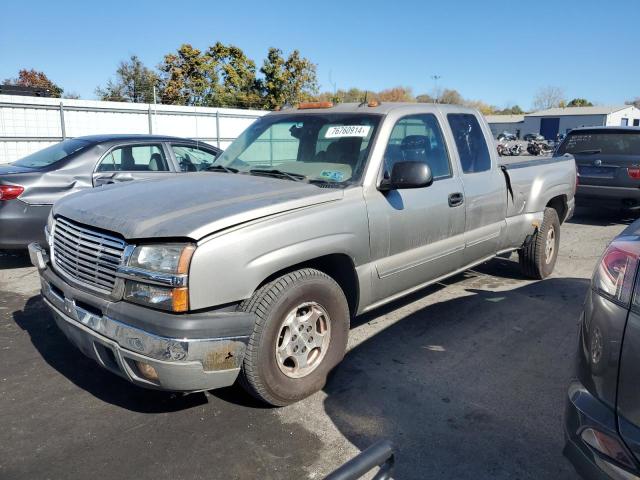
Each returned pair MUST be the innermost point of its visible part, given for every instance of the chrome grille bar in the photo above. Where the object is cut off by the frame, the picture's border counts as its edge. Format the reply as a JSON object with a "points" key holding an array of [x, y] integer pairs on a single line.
{"points": [[88, 256]]}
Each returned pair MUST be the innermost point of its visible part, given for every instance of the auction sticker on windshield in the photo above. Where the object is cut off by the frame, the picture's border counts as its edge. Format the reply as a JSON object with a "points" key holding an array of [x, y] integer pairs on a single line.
{"points": [[347, 131]]}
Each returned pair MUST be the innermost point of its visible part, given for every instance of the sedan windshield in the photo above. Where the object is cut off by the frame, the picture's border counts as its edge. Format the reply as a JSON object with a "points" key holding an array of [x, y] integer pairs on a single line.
{"points": [[50, 155], [613, 142], [331, 148]]}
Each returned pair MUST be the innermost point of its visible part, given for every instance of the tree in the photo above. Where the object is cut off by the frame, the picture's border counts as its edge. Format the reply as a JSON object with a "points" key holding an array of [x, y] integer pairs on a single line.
{"points": [[235, 76], [396, 94], [289, 81], [187, 77], [451, 96], [579, 102], [635, 103], [548, 97], [35, 79], [425, 98], [134, 83]]}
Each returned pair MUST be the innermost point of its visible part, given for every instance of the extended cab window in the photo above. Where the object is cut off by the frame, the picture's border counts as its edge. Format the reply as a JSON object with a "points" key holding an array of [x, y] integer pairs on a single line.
{"points": [[193, 159], [472, 147], [135, 158], [418, 138]]}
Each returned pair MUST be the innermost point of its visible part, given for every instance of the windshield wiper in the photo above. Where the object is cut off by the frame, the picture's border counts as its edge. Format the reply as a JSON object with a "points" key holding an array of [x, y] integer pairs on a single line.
{"points": [[220, 168], [589, 152], [272, 172]]}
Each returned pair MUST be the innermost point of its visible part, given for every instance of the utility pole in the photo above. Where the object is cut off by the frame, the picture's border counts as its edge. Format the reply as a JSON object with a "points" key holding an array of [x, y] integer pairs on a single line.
{"points": [[435, 79]]}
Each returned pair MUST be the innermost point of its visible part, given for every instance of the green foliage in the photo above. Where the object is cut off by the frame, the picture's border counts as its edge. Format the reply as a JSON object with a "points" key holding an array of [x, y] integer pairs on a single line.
{"points": [[134, 83], [187, 77], [35, 79], [579, 102], [287, 81], [235, 76]]}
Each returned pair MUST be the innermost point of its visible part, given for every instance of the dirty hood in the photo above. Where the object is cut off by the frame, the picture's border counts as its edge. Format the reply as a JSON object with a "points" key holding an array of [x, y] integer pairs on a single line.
{"points": [[188, 205]]}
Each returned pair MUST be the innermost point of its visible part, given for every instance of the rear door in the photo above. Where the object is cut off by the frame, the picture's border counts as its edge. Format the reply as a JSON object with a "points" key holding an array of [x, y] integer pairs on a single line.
{"points": [[134, 161], [605, 157], [484, 187]]}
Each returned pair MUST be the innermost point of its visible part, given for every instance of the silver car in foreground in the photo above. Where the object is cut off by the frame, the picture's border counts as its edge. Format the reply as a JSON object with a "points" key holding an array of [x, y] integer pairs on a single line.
{"points": [[316, 214]]}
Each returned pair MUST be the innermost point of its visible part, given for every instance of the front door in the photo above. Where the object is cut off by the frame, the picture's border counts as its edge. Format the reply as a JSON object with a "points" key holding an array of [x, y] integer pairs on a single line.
{"points": [[132, 162], [484, 188], [416, 235]]}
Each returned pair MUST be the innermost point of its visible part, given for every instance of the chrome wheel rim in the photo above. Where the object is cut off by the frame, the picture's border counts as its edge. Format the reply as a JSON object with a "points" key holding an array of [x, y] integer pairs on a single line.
{"points": [[550, 245], [303, 340]]}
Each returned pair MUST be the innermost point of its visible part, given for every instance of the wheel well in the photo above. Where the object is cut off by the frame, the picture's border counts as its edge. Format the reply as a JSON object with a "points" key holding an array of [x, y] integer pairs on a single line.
{"points": [[338, 266], [559, 204]]}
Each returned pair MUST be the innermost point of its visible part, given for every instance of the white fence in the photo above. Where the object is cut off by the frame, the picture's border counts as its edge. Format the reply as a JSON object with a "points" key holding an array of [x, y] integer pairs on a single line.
{"points": [[28, 124]]}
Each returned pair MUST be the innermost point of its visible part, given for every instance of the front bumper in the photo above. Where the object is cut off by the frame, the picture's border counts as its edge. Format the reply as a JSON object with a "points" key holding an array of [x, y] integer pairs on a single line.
{"points": [[207, 357], [583, 410]]}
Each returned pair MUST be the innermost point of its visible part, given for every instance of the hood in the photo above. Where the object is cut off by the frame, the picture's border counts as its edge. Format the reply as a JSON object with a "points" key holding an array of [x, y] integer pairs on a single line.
{"points": [[8, 169], [188, 205]]}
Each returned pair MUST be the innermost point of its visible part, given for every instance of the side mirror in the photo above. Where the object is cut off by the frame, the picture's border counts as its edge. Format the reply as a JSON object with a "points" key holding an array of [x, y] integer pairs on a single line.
{"points": [[407, 175]]}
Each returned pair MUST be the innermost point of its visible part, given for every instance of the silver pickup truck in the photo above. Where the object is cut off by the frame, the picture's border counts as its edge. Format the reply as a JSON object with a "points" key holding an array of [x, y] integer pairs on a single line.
{"points": [[313, 215]]}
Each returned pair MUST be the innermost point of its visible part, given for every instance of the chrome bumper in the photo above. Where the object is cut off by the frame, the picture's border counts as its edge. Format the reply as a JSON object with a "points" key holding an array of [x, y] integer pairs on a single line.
{"points": [[181, 364]]}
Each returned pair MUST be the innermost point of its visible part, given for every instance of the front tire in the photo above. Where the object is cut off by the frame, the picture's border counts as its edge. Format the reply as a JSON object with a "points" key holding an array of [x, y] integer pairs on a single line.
{"points": [[538, 258], [299, 336]]}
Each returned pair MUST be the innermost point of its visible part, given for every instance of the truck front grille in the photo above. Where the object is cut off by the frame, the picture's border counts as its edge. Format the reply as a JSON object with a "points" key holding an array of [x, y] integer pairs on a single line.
{"points": [[86, 255]]}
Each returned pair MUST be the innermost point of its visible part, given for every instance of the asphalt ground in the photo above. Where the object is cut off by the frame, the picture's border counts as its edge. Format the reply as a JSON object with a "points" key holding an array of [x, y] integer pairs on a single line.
{"points": [[468, 379]]}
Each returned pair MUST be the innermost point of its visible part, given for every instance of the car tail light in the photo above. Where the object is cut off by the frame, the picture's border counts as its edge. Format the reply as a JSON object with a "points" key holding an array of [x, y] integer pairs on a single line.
{"points": [[10, 192], [616, 270], [607, 445], [633, 172]]}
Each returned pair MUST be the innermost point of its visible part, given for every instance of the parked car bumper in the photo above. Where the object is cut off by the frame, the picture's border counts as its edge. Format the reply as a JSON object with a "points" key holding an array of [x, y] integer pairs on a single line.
{"points": [[626, 198], [21, 223], [583, 410], [208, 357]]}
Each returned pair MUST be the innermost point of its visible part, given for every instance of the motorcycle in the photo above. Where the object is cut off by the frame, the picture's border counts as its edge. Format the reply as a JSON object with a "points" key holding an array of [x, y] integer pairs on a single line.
{"points": [[536, 148], [505, 150]]}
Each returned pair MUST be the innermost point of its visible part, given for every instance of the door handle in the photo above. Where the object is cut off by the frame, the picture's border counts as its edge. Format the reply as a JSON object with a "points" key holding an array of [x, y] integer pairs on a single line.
{"points": [[456, 199]]}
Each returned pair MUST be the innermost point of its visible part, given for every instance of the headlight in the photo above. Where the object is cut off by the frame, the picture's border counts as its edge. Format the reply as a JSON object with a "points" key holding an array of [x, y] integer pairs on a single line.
{"points": [[172, 258], [166, 298], [157, 276]]}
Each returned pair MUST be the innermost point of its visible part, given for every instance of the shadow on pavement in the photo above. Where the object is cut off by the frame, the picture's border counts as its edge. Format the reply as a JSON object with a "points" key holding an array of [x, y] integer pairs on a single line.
{"points": [[468, 388], [14, 259], [602, 217], [56, 350]]}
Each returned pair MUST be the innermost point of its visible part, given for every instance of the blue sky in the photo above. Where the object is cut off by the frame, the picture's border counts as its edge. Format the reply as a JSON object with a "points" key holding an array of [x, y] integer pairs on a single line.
{"points": [[497, 51]]}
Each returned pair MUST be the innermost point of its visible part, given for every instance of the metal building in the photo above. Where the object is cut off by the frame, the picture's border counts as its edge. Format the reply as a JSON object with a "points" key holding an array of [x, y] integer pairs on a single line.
{"points": [[560, 120]]}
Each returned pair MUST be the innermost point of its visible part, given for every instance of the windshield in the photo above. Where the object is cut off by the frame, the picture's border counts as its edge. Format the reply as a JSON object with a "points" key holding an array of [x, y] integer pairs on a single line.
{"points": [[330, 147], [615, 142], [50, 155]]}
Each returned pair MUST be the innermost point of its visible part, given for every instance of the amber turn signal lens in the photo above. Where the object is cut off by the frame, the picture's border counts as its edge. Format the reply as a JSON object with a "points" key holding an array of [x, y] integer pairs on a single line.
{"points": [[185, 259], [147, 371], [180, 298], [305, 106]]}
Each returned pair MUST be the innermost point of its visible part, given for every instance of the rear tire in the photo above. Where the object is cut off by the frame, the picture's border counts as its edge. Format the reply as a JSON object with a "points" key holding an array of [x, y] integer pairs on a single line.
{"points": [[538, 258], [299, 336]]}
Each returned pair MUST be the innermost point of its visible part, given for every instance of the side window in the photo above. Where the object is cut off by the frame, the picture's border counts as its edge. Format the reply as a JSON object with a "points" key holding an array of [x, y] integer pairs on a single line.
{"points": [[135, 158], [418, 138], [193, 159], [472, 147]]}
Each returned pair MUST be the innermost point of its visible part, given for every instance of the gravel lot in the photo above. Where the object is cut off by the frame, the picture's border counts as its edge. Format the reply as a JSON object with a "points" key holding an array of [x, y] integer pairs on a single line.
{"points": [[467, 378]]}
